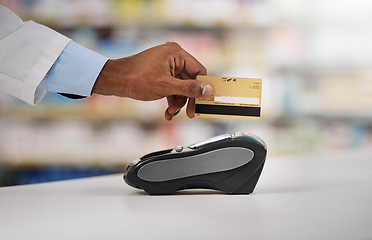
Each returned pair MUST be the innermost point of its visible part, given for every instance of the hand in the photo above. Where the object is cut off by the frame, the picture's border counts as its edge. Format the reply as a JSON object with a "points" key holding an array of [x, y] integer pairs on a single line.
{"points": [[162, 71]]}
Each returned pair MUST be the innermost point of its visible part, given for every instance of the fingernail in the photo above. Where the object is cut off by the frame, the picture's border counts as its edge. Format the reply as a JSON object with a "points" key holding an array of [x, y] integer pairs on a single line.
{"points": [[176, 112], [206, 90]]}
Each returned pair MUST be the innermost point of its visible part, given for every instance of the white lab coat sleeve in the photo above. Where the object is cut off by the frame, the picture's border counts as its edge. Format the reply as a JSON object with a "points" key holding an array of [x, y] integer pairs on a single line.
{"points": [[27, 51]]}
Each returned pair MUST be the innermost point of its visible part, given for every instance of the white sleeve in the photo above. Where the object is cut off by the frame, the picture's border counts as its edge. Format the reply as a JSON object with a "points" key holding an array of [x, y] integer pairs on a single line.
{"points": [[27, 51]]}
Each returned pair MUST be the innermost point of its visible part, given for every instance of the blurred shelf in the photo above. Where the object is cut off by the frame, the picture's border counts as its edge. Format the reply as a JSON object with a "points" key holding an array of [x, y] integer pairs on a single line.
{"points": [[352, 118], [159, 27], [322, 70], [316, 90], [21, 175]]}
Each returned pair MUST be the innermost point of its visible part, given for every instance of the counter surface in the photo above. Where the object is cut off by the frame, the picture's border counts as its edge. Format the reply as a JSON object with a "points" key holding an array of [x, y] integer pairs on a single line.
{"points": [[314, 196]]}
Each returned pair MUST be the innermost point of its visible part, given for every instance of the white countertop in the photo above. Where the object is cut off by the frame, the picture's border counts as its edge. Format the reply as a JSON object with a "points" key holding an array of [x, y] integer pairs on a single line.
{"points": [[314, 196]]}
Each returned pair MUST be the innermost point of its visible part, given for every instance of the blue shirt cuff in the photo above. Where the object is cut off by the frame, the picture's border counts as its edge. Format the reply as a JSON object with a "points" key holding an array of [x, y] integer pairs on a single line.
{"points": [[75, 71]]}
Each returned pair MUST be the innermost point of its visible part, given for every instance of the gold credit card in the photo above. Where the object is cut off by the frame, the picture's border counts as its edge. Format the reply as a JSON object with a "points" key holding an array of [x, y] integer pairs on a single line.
{"points": [[232, 97]]}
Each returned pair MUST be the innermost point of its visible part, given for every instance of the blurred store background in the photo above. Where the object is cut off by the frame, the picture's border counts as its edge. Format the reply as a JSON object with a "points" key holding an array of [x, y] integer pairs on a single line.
{"points": [[314, 57]]}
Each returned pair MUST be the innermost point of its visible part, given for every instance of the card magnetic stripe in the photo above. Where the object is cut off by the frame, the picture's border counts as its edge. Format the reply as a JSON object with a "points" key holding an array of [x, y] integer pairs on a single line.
{"points": [[227, 110]]}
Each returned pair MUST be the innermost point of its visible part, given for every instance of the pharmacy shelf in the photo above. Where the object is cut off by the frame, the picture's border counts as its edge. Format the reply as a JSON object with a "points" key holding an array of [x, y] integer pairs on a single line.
{"points": [[297, 49]]}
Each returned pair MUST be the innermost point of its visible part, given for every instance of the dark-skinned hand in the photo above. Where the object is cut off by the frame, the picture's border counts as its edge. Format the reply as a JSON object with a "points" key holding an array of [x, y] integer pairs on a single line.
{"points": [[162, 71]]}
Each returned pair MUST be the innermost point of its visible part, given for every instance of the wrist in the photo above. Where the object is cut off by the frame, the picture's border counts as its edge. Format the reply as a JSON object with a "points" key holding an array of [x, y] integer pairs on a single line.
{"points": [[110, 80]]}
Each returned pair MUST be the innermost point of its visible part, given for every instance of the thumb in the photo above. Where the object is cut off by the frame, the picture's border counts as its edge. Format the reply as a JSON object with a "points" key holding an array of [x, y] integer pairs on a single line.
{"points": [[192, 88]]}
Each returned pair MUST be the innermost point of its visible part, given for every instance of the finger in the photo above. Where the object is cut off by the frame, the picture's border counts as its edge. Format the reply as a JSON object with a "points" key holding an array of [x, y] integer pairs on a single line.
{"points": [[169, 116], [184, 75], [190, 109], [189, 88], [186, 62], [175, 103], [190, 65]]}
